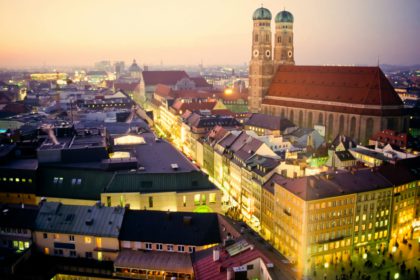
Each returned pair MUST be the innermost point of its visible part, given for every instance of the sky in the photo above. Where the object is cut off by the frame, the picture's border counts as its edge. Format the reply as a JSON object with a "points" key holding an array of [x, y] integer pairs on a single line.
{"points": [[81, 32]]}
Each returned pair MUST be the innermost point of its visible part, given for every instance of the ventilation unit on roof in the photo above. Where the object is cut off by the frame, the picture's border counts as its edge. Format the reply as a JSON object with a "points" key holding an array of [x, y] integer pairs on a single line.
{"points": [[174, 166], [89, 222]]}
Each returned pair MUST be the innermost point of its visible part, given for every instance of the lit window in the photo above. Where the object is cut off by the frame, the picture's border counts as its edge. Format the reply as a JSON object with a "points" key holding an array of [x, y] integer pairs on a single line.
{"points": [[197, 199], [212, 198], [88, 240]]}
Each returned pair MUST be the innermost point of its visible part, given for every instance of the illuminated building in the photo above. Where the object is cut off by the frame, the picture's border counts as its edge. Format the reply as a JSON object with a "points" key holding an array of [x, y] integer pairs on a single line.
{"points": [[78, 231], [316, 221], [354, 101], [16, 227], [49, 76]]}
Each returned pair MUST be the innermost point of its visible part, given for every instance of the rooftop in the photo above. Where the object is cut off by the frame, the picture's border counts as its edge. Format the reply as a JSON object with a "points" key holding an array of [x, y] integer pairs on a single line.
{"points": [[310, 87], [334, 184], [185, 228], [84, 220], [153, 260]]}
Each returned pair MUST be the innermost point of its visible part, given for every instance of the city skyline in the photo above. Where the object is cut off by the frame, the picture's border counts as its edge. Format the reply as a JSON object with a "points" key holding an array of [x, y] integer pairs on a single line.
{"points": [[219, 32]]}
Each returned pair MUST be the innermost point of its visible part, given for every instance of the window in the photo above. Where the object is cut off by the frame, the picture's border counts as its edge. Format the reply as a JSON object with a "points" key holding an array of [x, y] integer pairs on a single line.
{"points": [[99, 256], [148, 246], [181, 248], [72, 253], [71, 237], [170, 247], [159, 247], [45, 235], [203, 199], [150, 201], [191, 249], [56, 236], [58, 252], [184, 201], [88, 255], [108, 201], [88, 240], [197, 199], [46, 251], [212, 198]]}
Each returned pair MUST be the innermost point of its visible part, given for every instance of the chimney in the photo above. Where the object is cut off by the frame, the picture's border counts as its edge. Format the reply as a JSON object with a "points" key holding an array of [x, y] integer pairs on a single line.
{"points": [[216, 254], [187, 220]]}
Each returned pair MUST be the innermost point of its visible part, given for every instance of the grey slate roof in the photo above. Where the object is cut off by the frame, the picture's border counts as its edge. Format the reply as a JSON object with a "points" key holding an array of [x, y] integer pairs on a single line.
{"points": [[269, 122], [157, 157], [342, 183], [170, 228], [137, 181], [82, 220]]}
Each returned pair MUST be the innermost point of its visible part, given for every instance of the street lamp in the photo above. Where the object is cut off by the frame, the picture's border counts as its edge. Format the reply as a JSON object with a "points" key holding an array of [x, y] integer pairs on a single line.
{"points": [[396, 275], [364, 256]]}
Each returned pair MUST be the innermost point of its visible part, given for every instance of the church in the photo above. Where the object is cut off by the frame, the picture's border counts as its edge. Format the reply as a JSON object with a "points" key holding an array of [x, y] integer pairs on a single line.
{"points": [[348, 100]]}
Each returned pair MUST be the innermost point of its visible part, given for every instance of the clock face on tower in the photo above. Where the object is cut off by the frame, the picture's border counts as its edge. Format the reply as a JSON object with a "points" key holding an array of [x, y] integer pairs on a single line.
{"points": [[290, 53], [267, 53], [256, 53]]}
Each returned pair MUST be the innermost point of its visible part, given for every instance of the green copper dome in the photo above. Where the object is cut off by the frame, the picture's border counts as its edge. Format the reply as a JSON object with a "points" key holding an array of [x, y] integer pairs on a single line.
{"points": [[261, 13], [284, 16]]}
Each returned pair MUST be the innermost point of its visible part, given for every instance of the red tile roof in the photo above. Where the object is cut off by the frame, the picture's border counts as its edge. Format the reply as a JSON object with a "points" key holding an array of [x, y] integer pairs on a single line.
{"points": [[126, 86], [205, 268], [392, 137], [200, 82], [180, 106], [299, 86], [163, 77]]}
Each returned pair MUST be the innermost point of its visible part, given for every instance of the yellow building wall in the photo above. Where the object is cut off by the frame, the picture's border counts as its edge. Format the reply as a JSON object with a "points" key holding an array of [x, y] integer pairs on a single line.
{"points": [[83, 244], [68, 201], [18, 198], [172, 201]]}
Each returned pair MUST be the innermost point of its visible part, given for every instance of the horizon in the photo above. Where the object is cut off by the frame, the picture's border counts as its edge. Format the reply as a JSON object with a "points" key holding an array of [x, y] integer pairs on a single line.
{"points": [[106, 30]]}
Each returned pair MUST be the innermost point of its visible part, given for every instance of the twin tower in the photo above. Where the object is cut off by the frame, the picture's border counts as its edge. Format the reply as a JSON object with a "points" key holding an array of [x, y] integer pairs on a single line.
{"points": [[264, 63]]}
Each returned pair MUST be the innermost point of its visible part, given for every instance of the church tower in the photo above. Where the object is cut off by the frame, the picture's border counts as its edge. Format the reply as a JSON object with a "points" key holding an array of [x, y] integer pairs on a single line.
{"points": [[283, 46], [261, 64]]}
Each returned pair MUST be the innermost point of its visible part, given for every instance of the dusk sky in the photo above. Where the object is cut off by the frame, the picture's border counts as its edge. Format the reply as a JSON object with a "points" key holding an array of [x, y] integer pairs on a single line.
{"points": [[80, 32]]}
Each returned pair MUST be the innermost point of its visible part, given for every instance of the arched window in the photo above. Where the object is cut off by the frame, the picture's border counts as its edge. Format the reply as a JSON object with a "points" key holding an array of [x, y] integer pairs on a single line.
{"points": [[267, 38], [330, 126], [352, 127], [320, 119], [279, 39], [369, 128], [310, 119], [256, 37], [341, 126], [300, 118]]}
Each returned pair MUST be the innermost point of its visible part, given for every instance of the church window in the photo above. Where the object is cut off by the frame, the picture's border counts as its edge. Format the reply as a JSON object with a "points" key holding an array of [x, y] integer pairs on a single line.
{"points": [[353, 127], [300, 118], [309, 119], [369, 128], [256, 37], [341, 126], [279, 39], [330, 126], [267, 38], [321, 119]]}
